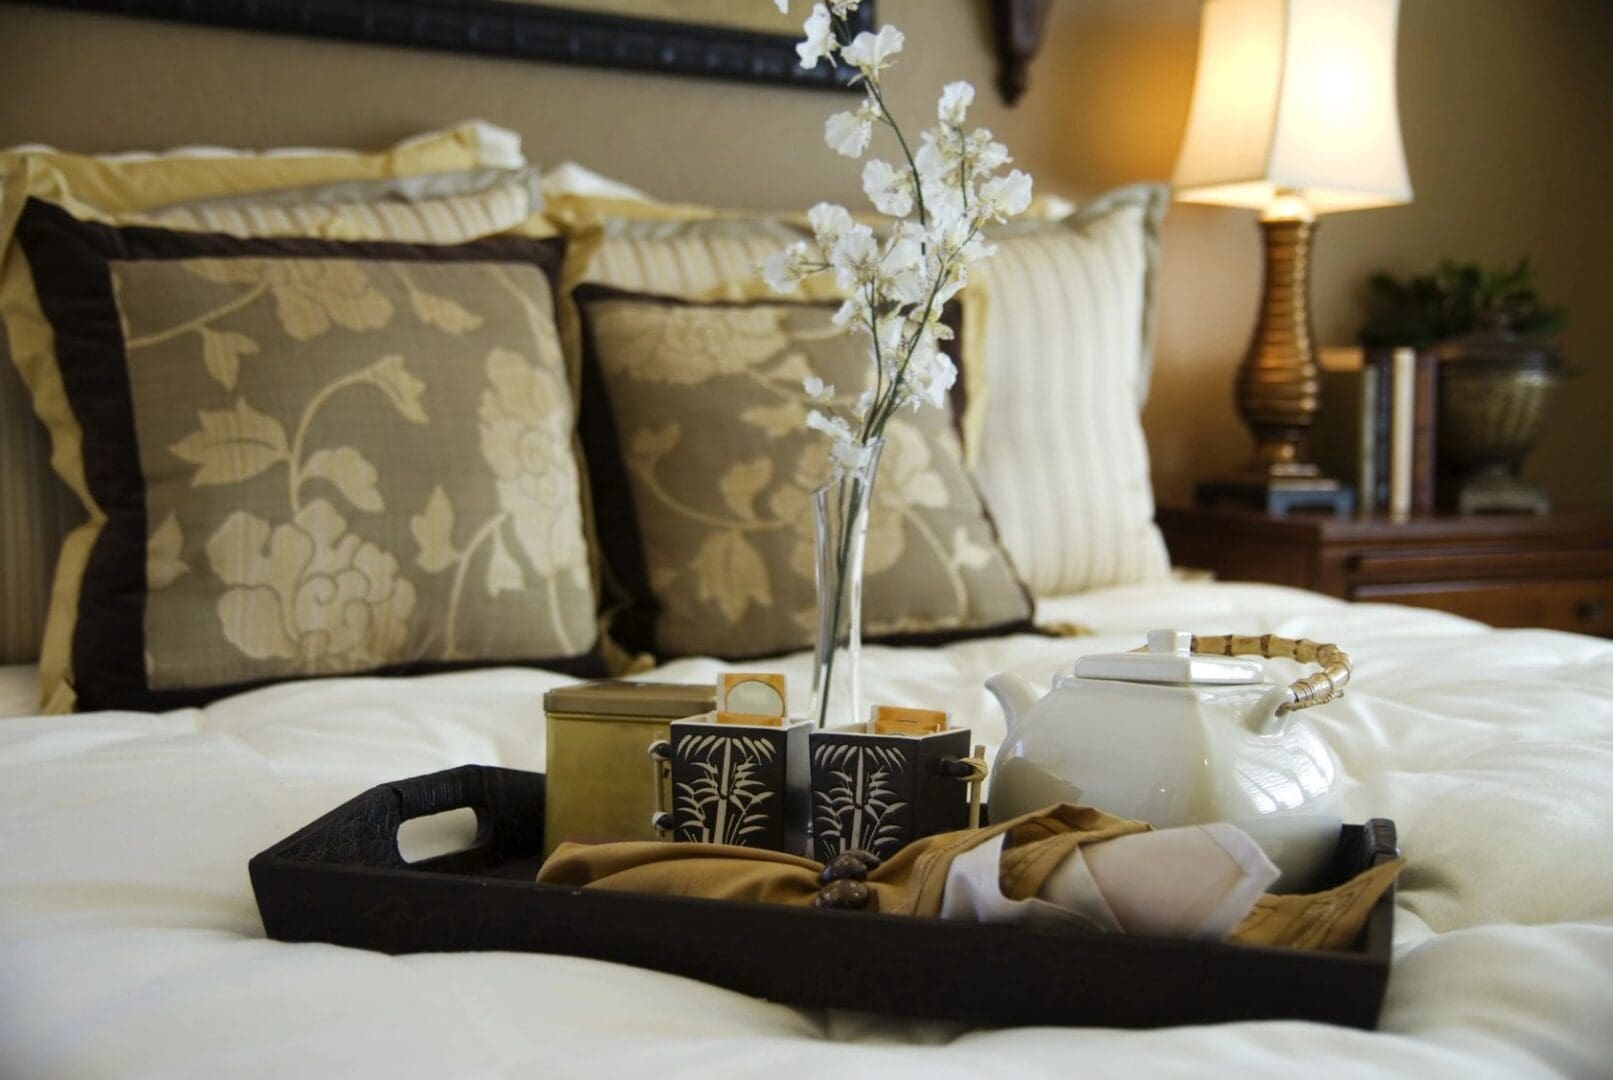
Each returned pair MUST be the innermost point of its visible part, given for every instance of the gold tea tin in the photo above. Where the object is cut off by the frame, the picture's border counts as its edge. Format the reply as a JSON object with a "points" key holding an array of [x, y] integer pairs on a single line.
{"points": [[599, 735]]}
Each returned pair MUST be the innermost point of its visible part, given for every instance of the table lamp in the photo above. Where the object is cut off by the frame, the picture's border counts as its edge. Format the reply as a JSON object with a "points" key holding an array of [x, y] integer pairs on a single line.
{"points": [[1294, 115]]}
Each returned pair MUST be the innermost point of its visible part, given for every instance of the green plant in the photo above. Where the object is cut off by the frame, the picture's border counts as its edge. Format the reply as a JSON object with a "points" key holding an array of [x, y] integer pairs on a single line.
{"points": [[1457, 298]]}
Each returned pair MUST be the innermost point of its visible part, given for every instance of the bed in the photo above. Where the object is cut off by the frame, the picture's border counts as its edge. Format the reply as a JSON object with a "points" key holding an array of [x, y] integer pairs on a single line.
{"points": [[129, 937], [131, 944]]}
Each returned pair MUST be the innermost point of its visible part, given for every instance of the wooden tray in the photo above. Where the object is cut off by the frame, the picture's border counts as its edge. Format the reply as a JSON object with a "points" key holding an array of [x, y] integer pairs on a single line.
{"points": [[342, 880]]}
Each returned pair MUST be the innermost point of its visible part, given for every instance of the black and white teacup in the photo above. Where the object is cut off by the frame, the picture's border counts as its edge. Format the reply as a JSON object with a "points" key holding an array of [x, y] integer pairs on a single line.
{"points": [[738, 784], [879, 793]]}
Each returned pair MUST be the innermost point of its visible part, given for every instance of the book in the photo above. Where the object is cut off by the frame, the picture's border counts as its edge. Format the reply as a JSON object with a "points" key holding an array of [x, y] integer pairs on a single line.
{"points": [[1344, 437], [1406, 429], [1402, 426], [1377, 427], [1425, 434]]}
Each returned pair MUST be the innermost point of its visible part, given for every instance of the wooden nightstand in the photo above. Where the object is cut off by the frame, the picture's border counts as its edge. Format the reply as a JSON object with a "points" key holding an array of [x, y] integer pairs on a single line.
{"points": [[1554, 570]]}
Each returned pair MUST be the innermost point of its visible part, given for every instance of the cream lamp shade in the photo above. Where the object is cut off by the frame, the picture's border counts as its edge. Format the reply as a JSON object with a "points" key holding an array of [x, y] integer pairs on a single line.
{"points": [[1295, 98]]}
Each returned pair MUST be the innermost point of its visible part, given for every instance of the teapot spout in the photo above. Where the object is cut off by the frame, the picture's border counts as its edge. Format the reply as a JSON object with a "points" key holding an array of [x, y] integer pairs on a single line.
{"points": [[1015, 696]]}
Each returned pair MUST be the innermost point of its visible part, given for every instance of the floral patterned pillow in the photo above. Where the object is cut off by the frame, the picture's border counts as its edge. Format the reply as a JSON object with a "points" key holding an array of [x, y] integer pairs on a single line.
{"points": [[702, 469], [305, 457]]}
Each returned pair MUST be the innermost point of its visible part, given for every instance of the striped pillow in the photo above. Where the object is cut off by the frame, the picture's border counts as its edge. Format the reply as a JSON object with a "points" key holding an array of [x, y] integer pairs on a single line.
{"points": [[36, 509], [1058, 328], [685, 258], [439, 208]]}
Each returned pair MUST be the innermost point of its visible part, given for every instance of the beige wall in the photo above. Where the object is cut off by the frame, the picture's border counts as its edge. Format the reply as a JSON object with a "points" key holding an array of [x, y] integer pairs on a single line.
{"points": [[1507, 107]]}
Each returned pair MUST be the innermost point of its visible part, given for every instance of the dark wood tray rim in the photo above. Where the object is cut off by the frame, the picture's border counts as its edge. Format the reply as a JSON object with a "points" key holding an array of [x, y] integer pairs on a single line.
{"points": [[342, 880]]}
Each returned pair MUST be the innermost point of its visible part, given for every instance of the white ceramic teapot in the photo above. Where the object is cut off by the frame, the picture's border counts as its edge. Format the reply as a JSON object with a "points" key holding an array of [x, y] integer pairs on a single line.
{"points": [[1177, 736]]}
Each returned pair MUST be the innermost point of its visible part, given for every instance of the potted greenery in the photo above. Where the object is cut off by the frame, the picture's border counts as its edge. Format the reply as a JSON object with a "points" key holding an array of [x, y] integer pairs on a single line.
{"points": [[1494, 337]]}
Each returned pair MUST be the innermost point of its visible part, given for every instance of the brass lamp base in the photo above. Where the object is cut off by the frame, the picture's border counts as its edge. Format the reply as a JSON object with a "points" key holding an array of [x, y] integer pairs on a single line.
{"points": [[1278, 390]]}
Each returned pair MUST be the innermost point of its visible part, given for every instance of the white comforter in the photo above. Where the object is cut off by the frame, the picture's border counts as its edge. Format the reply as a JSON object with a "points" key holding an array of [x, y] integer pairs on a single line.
{"points": [[130, 943]]}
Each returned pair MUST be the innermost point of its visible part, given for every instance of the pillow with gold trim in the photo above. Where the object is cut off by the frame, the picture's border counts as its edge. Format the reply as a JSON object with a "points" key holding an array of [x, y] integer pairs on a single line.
{"points": [[702, 468], [1052, 369], [303, 457], [36, 511]]}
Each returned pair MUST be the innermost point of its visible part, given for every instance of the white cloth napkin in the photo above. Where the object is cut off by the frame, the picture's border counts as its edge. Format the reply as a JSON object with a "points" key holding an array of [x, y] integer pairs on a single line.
{"points": [[1198, 881]]}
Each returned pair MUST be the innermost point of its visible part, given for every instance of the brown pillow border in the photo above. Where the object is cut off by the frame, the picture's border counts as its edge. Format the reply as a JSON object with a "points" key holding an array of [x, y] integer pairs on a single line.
{"points": [[630, 605], [69, 260]]}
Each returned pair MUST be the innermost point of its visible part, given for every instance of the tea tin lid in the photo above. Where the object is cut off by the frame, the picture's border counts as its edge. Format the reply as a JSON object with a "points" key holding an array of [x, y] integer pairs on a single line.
{"points": [[623, 697]]}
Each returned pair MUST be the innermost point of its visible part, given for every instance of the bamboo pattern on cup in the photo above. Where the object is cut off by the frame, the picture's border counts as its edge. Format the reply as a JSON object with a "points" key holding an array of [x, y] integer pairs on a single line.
{"points": [[858, 813], [724, 803]]}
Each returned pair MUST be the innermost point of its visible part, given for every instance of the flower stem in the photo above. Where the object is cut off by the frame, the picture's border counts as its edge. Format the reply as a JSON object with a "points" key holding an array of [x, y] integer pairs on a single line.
{"points": [[844, 33], [912, 166]]}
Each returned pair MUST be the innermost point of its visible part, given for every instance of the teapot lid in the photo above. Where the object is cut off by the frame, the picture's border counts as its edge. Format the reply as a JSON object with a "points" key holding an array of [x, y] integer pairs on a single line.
{"points": [[1168, 660]]}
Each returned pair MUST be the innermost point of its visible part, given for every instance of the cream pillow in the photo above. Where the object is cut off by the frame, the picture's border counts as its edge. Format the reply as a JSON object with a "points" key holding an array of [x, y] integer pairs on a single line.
{"points": [[1056, 359], [36, 509]]}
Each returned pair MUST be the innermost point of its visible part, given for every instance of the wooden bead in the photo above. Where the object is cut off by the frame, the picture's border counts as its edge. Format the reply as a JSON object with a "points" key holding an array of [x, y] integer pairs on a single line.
{"points": [[869, 860], [844, 894], [848, 864]]}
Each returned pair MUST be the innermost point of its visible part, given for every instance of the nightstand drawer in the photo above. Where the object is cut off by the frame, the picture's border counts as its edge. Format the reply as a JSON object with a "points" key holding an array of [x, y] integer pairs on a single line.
{"points": [[1553, 570], [1583, 606], [1497, 564]]}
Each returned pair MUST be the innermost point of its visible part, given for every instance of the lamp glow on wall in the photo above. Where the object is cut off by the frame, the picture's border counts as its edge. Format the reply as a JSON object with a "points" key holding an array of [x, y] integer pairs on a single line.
{"points": [[1294, 114]]}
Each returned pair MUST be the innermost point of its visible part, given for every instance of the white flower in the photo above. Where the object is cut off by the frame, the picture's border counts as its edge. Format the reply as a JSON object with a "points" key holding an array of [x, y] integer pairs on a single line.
{"points": [[783, 6], [956, 237], [902, 270], [928, 375], [1004, 196], [819, 43], [873, 53], [985, 154], [950, 163], [833, 426], [888, 188], [848, 456], [828, 221], [854, 313], [949, 214], [937, 175], [855, 257], [848, 133], [933, 160], [889, 337], [818, 390], [956, 98], [931, 377], [784, 269], [897, 282]]}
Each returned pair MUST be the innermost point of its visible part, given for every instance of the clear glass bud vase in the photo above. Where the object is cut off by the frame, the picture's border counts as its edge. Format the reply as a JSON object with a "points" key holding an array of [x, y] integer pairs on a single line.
{"points": [[841, 518]]}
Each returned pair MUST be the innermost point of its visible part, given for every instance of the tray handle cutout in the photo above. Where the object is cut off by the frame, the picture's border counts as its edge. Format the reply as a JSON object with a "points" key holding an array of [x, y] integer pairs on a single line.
{"points": [[432, 836], [364, 831], [508, 824]]}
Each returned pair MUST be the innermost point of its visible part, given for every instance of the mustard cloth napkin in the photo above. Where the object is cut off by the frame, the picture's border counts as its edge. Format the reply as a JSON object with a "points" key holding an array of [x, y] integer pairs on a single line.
{"points": [[913, 881]]}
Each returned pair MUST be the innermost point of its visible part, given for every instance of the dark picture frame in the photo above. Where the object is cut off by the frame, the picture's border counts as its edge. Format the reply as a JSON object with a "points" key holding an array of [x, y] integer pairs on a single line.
{"points": [[548, 32]]}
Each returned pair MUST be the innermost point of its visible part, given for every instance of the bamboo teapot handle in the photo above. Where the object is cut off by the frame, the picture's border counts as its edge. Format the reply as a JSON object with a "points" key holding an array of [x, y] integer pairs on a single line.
{"points": [[1317, 689]]}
